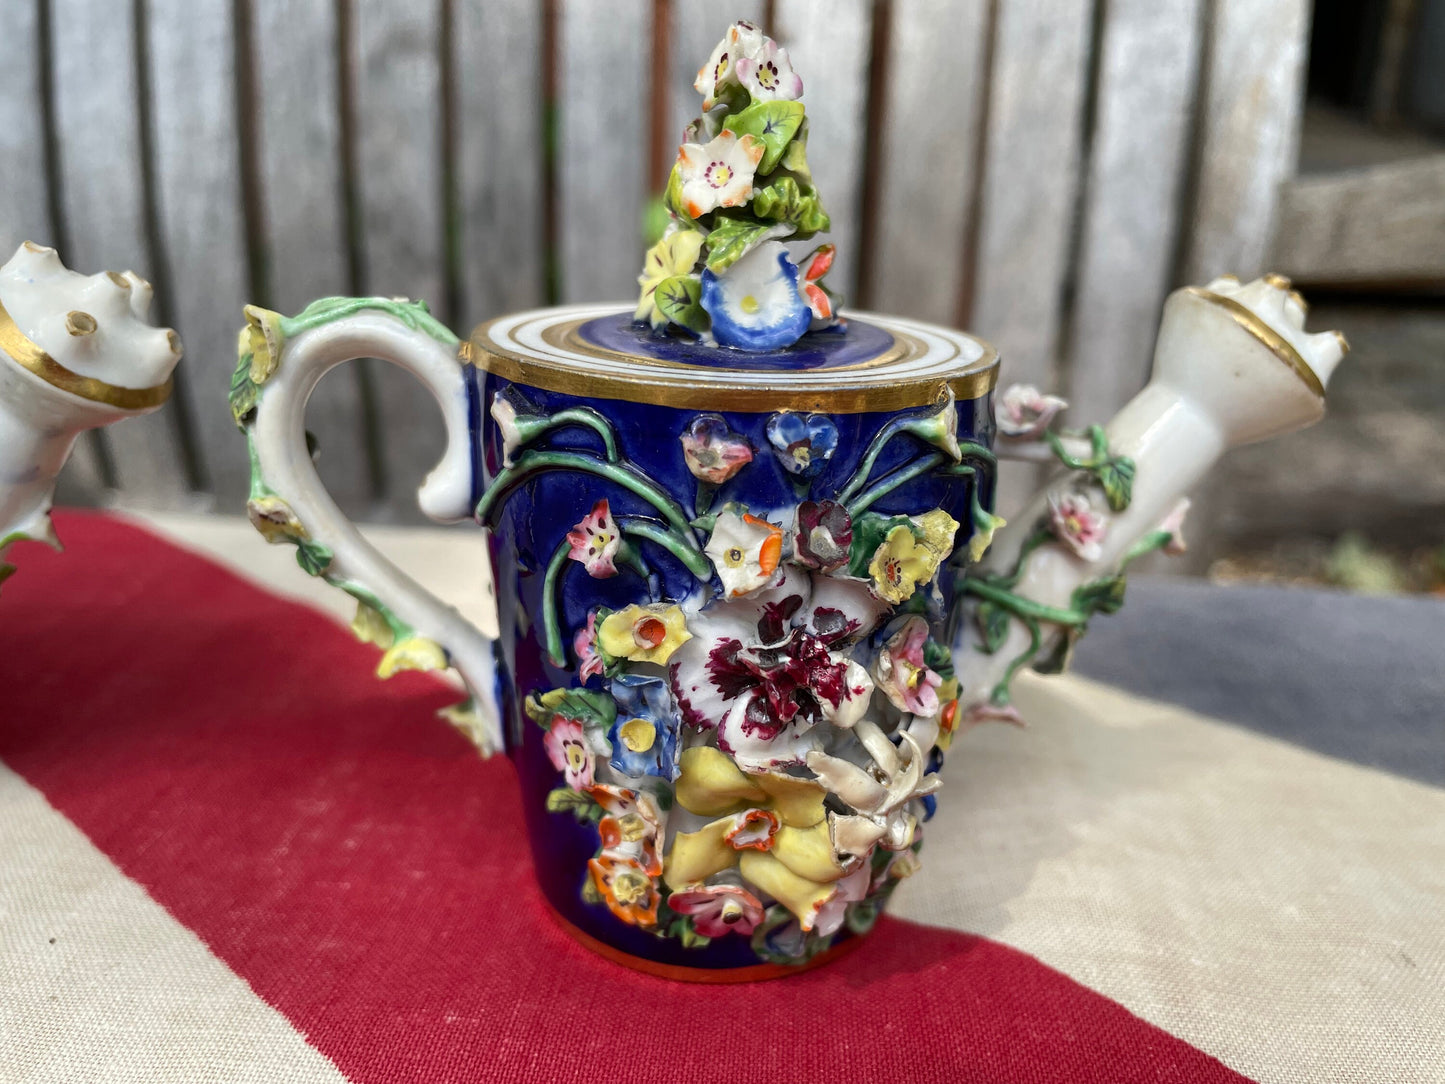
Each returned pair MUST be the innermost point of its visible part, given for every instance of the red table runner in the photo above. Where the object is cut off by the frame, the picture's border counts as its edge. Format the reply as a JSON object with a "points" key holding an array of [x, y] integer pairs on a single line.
{"points": [[356, 863]]}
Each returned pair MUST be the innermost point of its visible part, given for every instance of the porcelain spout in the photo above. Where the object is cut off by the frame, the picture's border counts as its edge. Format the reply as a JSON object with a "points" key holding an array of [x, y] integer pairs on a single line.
{"points": [[1233, 365]]}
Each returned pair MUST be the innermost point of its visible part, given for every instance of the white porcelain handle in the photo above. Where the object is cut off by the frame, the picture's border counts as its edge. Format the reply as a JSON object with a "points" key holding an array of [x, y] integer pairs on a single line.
{"points": [[399, 611]]}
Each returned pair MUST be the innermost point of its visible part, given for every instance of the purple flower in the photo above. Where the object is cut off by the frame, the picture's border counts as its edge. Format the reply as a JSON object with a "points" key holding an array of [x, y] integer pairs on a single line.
{"points": [[824, 534]]}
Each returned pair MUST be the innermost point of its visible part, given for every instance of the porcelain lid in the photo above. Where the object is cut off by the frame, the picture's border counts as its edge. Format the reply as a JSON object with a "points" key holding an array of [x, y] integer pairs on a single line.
{"points": [[877, 363]]}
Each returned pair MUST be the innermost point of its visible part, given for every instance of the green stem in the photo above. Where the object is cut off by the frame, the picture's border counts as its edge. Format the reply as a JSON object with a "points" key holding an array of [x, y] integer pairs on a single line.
{"points": [[1023, 608], [696, 562], [894, 480], [555, 568], [533, 463], [999, 696], [412, 313], [870, 457], [1097, 440], [592, 420]]}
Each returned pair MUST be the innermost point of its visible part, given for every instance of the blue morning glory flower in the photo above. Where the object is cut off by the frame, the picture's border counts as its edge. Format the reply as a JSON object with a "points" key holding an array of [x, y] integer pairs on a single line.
{"points": [[755, 304]]}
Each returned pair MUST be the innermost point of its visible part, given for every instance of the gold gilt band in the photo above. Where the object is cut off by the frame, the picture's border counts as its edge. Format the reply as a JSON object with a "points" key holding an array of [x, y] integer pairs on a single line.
{"points": [[29, 356], [1277, 343]]}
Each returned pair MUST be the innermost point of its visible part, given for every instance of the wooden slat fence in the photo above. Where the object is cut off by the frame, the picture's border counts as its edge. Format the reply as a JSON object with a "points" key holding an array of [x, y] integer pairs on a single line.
{"points": [[1039, 172]]}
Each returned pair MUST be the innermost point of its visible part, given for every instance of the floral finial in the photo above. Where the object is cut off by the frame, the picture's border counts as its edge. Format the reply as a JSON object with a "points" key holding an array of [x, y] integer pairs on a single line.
{"points": [[740, 187]]}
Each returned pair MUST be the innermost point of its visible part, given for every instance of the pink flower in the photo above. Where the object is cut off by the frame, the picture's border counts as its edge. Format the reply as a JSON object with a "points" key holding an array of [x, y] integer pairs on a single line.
{"points": [[719, 910], [714, 453], [595, 541], [567, 750], [902, 674], [823, 535], [1173, 525], [589, 662], [1024, 411], [1075, 523]]}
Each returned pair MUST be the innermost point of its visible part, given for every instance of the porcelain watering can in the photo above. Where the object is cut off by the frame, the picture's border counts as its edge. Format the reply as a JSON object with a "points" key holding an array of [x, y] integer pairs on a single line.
{"points": [[76, 353], [744, 550]]}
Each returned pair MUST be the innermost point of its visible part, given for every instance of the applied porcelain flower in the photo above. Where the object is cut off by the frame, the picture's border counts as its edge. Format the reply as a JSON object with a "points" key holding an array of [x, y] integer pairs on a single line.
{"points": [[264, 340], [517, 427], [643, 633], [626, 869], [763, 672], [983, 531], [413, 653], [1075, 523], [712, 451], [675, 254], [939, 427], [276, 520], [1173, 526], [823, 535], [771, 826], [566, 747], [755, 304], [902, 674], [595, 541], [719, 909], [802, 443], [819, 300], [769, 74], [904, 562], [1023, 411], [880, 794], [745, 551], [589, 662], [644, 735], [742, 39], [718, 173]]}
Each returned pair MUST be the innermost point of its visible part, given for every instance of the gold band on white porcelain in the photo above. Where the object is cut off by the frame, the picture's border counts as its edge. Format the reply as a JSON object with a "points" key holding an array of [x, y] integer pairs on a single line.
{"points": [[543, 349], [1277, 343], [29, 356]]}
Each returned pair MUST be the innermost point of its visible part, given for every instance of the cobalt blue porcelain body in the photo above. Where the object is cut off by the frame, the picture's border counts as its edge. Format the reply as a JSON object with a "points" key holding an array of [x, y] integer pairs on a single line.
{"points": [[541, 476]]}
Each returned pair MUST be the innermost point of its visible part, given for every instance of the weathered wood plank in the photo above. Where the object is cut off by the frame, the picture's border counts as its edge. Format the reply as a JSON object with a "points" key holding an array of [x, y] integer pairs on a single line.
{"points": [[1031, 172], [200, 218], [497, 65], [95, 69], [936, 80], [830, 43], [24, 203], [697, 26], [602, 77], [397, 90], [1380, 227], [303, 235], [1249, 132], [1147, 76]]}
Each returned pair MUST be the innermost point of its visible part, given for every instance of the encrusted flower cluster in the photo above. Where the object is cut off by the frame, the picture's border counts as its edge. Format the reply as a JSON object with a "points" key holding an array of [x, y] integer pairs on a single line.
{"points": [[740, 186]]}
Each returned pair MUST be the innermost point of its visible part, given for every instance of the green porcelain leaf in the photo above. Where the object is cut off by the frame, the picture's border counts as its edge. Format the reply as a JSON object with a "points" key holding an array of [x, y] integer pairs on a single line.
{"points": [[588, 706], [775, 123], [785, 200], [313, 557], [731, 238], [795, 157], [243, 392], [677, 299], [567, 800], [1104, 595], [1116, 475]]}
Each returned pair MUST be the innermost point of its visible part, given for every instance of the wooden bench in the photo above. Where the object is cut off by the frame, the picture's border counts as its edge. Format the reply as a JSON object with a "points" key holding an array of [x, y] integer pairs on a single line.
{"points": [[1039, 172]]}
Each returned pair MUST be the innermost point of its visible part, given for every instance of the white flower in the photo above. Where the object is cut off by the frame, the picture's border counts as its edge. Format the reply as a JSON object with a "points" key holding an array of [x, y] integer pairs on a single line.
{"points": [[719, 173], [745, 550], [755, 304], [1024, 411], [769, 74], [742, 39], [504, 413], [1073, 520], [858, 694]]}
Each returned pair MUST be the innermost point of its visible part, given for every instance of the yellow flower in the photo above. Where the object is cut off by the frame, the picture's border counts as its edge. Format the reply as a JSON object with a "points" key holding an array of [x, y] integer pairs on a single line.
{"points": [[902, 562], [770, 825], [983, 537], [371, 628], [938, 531], [675, 254], [413, 653], [275, 520], [643, 633], [948, 713], [263, 339]]}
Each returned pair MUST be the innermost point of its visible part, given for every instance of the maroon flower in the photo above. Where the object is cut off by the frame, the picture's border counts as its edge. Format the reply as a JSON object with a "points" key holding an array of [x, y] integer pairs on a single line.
{"points": [[824, 534]]}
